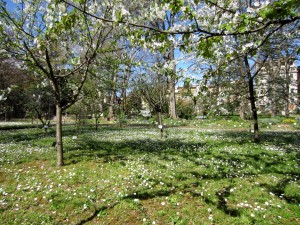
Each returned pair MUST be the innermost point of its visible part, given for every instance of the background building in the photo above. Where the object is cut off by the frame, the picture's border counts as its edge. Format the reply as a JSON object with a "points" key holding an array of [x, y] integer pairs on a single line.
{"points": [[278, 88]]}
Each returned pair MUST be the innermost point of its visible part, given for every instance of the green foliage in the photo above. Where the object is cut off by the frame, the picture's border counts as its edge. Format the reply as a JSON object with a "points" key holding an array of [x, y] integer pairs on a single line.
{"points": [[185, 109], [133, 104], [205, 47], [267, 122], [18, 126], [175, 5], [289, 121], [291, 191], [280, 9]]}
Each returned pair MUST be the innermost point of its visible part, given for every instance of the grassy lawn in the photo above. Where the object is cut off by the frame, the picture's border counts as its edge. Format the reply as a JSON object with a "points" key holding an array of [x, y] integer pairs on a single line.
{"points": [[130, 175]]}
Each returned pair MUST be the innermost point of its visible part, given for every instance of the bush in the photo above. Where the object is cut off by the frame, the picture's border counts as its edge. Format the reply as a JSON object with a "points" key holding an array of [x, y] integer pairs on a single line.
{"points": [[291, 192], [20, 126], [265, 122], [185, 109], [289, 121]]}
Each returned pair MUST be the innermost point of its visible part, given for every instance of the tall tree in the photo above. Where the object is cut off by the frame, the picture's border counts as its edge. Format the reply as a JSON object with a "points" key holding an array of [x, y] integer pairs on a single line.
{"points": [[252, 93], [169, 55]]}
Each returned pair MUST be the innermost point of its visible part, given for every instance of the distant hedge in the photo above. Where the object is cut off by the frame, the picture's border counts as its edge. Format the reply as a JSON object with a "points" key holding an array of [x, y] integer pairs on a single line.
{"points": [[25, 126]]}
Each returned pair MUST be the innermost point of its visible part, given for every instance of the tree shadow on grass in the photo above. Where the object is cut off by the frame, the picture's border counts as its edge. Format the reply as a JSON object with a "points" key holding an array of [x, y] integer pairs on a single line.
{"points": [[31, 134], [222, 202], [274, 137], [23, 135], [279, 189], [145, 195], [166, 149], [142, 195], [97, 211], [169, 149], [119, 151]]}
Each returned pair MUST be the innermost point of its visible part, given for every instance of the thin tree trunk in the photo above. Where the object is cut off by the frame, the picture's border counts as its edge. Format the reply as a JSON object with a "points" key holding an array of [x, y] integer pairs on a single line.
{"points": [[172, 100], [287, 89], [298, 92], [59, 143], [243, 103], [111, 113], [39, 116], [172, 83], [254, 110], [5, 116], [96, 122], [242, 110], [160, 124], [275, 75], [252, 100], [124, 87], [110, 107], [100, 105], [273, 107]]}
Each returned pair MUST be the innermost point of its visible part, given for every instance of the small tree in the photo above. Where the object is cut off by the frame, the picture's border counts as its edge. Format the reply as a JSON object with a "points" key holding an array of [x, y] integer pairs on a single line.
{"points": [[153, 89], [41, 104], [133, 104]]}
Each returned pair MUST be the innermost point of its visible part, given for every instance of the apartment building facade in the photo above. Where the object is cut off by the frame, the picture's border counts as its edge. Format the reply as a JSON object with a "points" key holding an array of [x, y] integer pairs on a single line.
{"points": [[277, 88]]}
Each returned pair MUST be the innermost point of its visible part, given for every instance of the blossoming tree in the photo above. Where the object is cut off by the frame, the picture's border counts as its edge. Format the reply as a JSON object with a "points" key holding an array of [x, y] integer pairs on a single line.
{"points": [[55, 43]]}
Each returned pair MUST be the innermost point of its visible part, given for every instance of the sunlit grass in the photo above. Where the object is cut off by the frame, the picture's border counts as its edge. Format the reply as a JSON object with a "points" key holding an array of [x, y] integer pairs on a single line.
{"points": [[130, 175]]}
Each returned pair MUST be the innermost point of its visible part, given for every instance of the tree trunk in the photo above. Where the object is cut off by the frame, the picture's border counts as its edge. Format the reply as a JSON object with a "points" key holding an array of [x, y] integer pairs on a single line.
{"points": [[274, 83], [252, 100], [172, 83], [124, 87], [110, 108], [243, 110], [254, 110], [100, 104], [111, 111], [59, 143], [273, 108], [96, 122], [160, 124], [287, 89], [172, 99], [286, 107]]}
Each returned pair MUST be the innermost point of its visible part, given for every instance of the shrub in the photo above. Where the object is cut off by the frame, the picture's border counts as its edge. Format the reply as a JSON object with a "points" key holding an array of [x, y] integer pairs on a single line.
{"points": [[185, 109], [265, 122], [289, 121], [19, 126]]}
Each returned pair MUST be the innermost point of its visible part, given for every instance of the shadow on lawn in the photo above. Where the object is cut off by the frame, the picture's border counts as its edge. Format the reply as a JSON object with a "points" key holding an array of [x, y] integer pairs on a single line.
{"points": [[216, 165], [116, 151], [279, 190], [108, 151], [252, 162], [138, 195], [97, 211]]}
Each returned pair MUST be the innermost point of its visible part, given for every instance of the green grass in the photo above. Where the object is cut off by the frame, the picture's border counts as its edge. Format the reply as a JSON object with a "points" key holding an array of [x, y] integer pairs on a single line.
{"points": [[130, 175]]}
